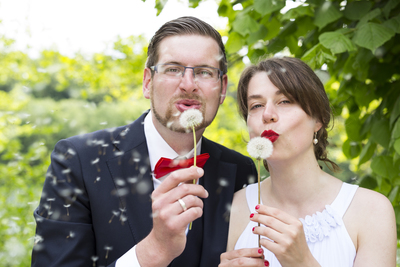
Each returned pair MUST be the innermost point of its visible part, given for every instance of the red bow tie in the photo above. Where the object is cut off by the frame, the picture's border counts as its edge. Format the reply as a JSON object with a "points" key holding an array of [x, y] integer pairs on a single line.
{"points": [[165, 166]]}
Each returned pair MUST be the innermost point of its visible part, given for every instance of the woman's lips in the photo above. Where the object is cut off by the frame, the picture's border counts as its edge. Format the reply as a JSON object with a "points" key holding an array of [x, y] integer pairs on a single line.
{"points": [[186, 104], [271, 135]]}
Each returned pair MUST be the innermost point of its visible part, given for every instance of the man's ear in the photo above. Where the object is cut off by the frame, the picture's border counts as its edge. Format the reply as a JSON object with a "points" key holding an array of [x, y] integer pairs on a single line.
{"points": [[146, 83], [224, 88]]}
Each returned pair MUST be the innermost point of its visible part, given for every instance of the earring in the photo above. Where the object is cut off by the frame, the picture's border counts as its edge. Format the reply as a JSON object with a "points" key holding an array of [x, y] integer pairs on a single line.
{"points": [[315, 141]]}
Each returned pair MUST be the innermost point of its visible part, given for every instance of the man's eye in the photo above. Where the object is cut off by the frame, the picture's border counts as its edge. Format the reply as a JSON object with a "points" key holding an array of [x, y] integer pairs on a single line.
{"points": [[204, 73], [172, 70]]}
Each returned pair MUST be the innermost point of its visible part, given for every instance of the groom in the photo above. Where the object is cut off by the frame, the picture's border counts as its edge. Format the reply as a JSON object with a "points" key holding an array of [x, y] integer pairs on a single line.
{"points": [[104, 200]]}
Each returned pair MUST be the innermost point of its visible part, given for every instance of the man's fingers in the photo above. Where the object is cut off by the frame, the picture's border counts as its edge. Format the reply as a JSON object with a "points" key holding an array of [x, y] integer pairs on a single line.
{"points": [[177, 177]]}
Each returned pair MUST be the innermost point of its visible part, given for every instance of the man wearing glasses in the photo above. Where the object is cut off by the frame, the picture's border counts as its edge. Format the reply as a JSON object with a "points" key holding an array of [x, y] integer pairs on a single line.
{"points": [[151, 210]]}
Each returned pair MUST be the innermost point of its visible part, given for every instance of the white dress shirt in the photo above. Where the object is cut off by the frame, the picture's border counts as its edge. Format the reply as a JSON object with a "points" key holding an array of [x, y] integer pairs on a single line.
{"points": [[157, 148]]}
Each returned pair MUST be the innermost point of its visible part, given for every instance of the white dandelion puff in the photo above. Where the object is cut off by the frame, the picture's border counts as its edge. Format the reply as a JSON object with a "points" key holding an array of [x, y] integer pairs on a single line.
{"points": [[260, 148], [191, 118]]}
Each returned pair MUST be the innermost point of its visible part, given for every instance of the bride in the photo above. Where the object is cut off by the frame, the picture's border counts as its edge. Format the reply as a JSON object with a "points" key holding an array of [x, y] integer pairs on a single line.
{"points": [[340, 224]]}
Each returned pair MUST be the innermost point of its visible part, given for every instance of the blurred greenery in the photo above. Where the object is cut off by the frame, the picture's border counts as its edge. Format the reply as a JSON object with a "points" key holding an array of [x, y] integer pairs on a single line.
{"points": [[353, 46]]}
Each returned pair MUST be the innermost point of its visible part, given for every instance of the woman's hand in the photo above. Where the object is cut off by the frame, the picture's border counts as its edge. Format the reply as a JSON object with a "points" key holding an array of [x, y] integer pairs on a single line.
{"points": [[243, 257], [289, 242]]}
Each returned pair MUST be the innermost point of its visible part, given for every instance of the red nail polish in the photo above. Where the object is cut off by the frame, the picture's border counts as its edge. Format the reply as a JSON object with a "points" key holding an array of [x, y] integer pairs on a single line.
{"points": [[253, 229], [266, 263], [251, 215], [260, 251], [257, 207]]}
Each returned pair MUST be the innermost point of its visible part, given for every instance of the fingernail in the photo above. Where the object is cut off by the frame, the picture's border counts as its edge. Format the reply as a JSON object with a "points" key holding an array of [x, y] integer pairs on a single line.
{"points": [[200, 171], [207, 193], [266, 263], [251, 215], [253, 229], [260, 251], [257, 207]]}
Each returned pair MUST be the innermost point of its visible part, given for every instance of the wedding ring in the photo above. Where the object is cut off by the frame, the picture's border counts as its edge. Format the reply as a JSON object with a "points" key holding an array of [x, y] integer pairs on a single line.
{"points": [[183, 205]]}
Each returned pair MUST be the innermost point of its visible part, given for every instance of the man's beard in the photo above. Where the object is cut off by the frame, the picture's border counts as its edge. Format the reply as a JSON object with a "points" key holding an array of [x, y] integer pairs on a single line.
{"points": [[171, 120]]}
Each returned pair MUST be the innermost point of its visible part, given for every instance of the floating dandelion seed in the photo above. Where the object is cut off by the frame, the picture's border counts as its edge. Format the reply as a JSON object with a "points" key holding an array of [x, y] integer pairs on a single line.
{"points": [[71, 234], [70, 152], [95, 162], [176, 114], [97, 179], [190, 119], [259, 148], [67, 172], [119, 154], [94, 259], [107, 248], [169, 124], [104, 148], [115, 213], [67, 206]]}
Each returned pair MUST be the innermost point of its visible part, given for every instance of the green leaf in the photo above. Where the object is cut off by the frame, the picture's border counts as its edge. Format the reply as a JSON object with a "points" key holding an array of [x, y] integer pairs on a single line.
{"points": [[369, 16], [337, 42], [367, 152], [396, 130], [393, 23], [389, 6], [357, 9], [265, 7], [235, 43], [353, 127], [194, 3], [393, 194], [297, 12], [326, 14], [258, 35], [273, 26], [368, 182], [395, 114], [380, 132], [160, 4], [383, 166], [396, 146], [351, 149], [317, 56], [372, 36], [244, 24]]}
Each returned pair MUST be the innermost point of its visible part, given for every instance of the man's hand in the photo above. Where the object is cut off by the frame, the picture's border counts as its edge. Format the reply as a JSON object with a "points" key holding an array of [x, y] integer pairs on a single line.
{"points": [[167, 239]]}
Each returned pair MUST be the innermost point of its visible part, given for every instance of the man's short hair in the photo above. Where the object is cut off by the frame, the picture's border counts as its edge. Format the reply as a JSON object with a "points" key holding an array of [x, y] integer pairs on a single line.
{"points": [[185, 26]]}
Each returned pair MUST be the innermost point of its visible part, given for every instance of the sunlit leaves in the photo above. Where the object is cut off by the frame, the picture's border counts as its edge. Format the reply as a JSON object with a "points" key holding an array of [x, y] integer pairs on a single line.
{"points": [[235, 42], [317, 56], [372, 35], [244, 24], [337, 42], [265, 7]]}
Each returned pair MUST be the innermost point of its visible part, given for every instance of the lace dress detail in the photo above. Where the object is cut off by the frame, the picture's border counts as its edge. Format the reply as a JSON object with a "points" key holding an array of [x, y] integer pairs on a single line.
{"points": [[326, 234], [319, 225]]}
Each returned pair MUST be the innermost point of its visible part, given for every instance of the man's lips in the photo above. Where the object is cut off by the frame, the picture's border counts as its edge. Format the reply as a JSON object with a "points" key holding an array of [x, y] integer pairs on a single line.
{"points": [[271, 135], [186, 104]]}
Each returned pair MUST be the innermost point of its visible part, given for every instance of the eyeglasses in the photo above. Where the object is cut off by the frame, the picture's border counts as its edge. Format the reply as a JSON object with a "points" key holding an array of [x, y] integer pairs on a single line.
{"points": [[200, 74]]}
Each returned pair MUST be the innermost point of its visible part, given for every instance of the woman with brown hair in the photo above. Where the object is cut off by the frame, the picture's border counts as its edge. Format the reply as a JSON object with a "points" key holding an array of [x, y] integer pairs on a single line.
{"points": [[340, 224]]}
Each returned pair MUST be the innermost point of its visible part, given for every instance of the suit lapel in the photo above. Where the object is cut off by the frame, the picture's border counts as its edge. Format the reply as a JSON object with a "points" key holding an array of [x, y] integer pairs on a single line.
{"points": [[132, 178]]}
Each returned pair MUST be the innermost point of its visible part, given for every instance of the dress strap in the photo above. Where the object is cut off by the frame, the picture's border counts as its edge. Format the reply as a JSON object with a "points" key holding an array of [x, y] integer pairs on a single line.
{"points": [[344, 198], [252, 196]]}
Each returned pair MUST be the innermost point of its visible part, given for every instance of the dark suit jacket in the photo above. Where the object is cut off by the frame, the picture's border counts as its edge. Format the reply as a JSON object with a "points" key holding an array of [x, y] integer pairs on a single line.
{"points": [[96, 204]]}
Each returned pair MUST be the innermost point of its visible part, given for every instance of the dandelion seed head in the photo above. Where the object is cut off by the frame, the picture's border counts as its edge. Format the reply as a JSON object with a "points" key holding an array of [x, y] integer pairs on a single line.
{"points": [[260, 148], [191, 118]]}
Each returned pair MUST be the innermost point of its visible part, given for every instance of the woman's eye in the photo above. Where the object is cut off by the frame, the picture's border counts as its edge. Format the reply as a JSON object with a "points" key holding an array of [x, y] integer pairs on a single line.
{"points": [[255, 106], [284, 102]]}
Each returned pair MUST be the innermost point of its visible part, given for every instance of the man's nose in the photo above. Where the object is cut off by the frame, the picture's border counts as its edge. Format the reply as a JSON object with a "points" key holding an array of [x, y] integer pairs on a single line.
{"points": [[188, 82]]}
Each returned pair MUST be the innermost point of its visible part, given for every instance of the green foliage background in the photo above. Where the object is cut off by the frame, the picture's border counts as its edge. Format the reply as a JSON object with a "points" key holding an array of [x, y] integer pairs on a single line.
{"points": [[354, 47]]}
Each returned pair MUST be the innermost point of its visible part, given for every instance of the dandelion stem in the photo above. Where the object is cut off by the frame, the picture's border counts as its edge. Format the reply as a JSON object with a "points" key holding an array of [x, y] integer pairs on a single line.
{"points": [[194, 162], [259, 196]]}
